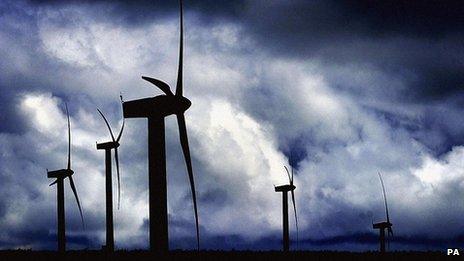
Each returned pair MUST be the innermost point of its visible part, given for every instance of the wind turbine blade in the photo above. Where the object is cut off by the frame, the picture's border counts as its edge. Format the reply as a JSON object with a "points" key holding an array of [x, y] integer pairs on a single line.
{"points": [[122, 128], [288, 174], [388, 242], [291, 182], [123, 122], [296, 218], [54, 182], [291, 164], [389, 236], [73, 187], [107, 124], [181, 51], [69, 137], [160, 84], [384, 197], [116, 157], [186, 150]]}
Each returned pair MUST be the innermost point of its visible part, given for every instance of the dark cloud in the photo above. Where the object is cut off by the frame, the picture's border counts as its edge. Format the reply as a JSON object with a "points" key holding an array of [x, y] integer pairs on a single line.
{"points": [[422, 18], [365, 241], [141, 12], [415, 42], [39, 238], [374, 18], [229, 242], [370, 240], [418, 41], [392, 75], [214, 196], [11, 122]]}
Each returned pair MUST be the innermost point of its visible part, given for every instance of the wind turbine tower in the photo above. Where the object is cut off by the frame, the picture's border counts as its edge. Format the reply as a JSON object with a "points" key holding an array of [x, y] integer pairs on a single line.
{"points": [[60, 175], [156, 109], [108, 146], [381, 226], [284, 189]]}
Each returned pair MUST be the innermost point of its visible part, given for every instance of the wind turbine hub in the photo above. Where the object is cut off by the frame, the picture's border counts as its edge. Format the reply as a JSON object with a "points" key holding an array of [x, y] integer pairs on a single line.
{"points": [[185, 103], [70, 172], [285, 188], [159, 106]]}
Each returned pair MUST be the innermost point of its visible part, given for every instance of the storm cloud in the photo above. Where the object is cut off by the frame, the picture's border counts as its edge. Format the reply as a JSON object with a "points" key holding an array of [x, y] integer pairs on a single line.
{"points": [[345, 89]]}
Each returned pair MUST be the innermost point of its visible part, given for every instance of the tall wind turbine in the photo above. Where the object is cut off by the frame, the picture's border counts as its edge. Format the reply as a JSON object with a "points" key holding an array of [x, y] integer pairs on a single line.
{"points": [[285, 189], [60, 175], [381, 226], [155, 109], [108, 146]]}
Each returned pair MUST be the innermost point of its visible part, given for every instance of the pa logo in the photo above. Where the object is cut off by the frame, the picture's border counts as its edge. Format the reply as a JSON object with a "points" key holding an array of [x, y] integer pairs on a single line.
{"points": [[452, 252]]}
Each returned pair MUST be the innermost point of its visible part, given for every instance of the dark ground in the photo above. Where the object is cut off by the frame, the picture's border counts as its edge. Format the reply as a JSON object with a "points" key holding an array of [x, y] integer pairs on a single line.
{"points": [[221, 256]]}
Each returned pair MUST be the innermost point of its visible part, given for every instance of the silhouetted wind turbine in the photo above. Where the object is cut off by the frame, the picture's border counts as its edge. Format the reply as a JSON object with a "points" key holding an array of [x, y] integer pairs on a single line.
{"points": [[381, 226], [108, 146], [285, 189], [156, 109], [60, 175]]}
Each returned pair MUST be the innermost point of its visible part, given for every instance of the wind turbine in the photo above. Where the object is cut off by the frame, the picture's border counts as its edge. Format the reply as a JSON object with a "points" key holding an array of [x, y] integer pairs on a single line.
{"points": [[108, 146], [155, 109], [285, 189], [60, 175], [381, 226]]}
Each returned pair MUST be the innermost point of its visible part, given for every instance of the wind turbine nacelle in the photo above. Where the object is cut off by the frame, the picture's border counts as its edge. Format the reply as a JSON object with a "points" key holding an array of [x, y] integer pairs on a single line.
{"points": [[62, 173], [284, 188], [158, 106], [382, 225], [107, 145]]}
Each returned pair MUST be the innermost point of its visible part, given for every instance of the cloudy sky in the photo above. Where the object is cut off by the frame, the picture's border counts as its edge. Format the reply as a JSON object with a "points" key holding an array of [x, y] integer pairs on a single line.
{"points": [[346, 89]]}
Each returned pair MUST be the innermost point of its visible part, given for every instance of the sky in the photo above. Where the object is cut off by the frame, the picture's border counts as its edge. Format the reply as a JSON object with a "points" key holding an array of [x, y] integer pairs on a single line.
{"points": [[338, 90]]}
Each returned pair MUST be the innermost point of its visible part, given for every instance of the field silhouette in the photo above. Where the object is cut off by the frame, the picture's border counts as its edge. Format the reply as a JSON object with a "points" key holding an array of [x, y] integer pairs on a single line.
{"points": [[221, 255]]}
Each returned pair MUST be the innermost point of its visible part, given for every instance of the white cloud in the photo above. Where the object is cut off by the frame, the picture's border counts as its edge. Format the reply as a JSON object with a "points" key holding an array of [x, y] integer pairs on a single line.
{"points": [[436, 172], [44, 113]]}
